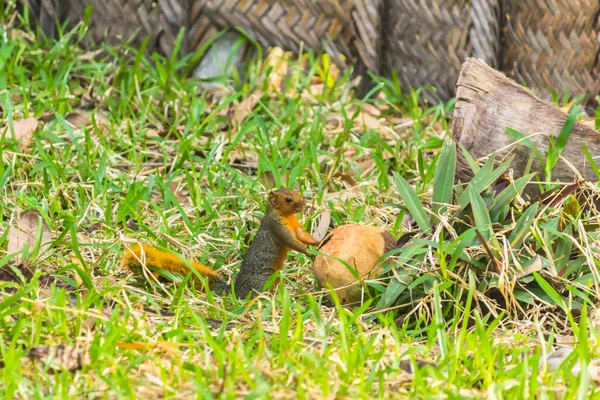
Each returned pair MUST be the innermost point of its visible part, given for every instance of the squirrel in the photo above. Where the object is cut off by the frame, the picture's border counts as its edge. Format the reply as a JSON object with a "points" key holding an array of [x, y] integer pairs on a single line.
{"points": [[279, 232]]}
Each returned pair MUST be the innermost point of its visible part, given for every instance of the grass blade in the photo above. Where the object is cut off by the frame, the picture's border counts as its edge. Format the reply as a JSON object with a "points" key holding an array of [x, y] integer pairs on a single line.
{"points": [[412, 202], [443, 181], [550, 291], [483, 179], [502, 201], [523, 224], [481, 216]]}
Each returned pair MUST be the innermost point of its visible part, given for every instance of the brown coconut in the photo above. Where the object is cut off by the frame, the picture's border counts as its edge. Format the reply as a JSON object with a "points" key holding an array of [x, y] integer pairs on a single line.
{"points": [[360, 247]]}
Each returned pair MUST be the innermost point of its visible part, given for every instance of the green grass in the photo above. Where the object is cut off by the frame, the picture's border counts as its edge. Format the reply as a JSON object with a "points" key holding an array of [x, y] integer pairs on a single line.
{"points": [[159, 162]]}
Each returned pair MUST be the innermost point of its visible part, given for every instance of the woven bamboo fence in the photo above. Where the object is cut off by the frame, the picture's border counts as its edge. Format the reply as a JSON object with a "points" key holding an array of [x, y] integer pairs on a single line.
{"points": [[548, 44]]}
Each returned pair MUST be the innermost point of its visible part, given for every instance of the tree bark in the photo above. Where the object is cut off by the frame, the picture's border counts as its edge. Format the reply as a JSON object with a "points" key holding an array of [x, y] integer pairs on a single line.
{"points": [[487, 102]]}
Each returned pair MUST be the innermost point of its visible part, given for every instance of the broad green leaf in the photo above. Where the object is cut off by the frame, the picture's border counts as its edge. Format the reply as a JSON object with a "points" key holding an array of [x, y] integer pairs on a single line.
{"points": [[8, 301], [524, 296], [525, 142], [456, 248], [523, 224], [472, 163], [591, 160], [412, 202], [550, 291], [482, 218], [566, 130], [483, 179], [420, 280], [563, 250], [557, 145], [443, 181], [502, 201], [392, 292]]}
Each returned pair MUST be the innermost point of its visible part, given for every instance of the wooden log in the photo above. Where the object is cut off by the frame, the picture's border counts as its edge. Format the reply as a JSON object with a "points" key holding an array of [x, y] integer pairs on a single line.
{"points": [[487, 102]]}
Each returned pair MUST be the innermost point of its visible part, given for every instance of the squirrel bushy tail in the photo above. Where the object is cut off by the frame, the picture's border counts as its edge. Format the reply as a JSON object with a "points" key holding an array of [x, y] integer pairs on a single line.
{"points": [[136, 255]]}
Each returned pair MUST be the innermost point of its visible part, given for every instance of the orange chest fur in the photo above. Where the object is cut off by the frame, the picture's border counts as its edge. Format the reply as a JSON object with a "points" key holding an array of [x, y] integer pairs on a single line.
{"points": [[292, 223]]}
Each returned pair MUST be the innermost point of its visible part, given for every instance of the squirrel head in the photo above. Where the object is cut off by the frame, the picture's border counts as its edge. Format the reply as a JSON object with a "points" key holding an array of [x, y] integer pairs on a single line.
{"points": [[286, 201]]}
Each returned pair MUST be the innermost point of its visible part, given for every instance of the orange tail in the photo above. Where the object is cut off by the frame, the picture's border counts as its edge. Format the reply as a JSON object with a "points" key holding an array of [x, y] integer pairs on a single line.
{"points": [[143, 254]]}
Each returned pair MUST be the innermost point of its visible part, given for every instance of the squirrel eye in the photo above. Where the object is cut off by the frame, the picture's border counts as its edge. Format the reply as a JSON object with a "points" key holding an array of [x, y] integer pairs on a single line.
{"points": [[288, 199]]}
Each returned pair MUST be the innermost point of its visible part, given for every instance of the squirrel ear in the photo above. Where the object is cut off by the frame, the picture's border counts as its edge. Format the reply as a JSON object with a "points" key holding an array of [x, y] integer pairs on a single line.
{"points": [[273, 198]]}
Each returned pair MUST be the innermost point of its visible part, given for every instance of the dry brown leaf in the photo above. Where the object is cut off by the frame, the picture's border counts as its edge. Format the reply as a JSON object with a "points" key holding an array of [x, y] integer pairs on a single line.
{"points": [[47, 117], [589, 122], [79, 118], [349, 179], [181, 198], [23, 131], [25, 234], [245, 108], [334, 122], [371, 109], [365, 163], [316, 89], [368, 121], [344, 195], [58, 357], [96, 226], [278, 60], [535, 266], [323, 226]]}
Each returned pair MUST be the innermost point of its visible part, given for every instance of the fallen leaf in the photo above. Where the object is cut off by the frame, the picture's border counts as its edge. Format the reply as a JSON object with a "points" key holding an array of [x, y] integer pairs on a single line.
{"points": [[96, 226], [132, 224], [58, 357], [79, 118], [344, 195], [47, 117], [323, 226], [23, 131], [368, 121], [367, 117], [278, 60], [181, 198], [24, 234], [317, 89], [589, 122], [245, 108], [371, 109], [535, 266], [349, 179]]}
